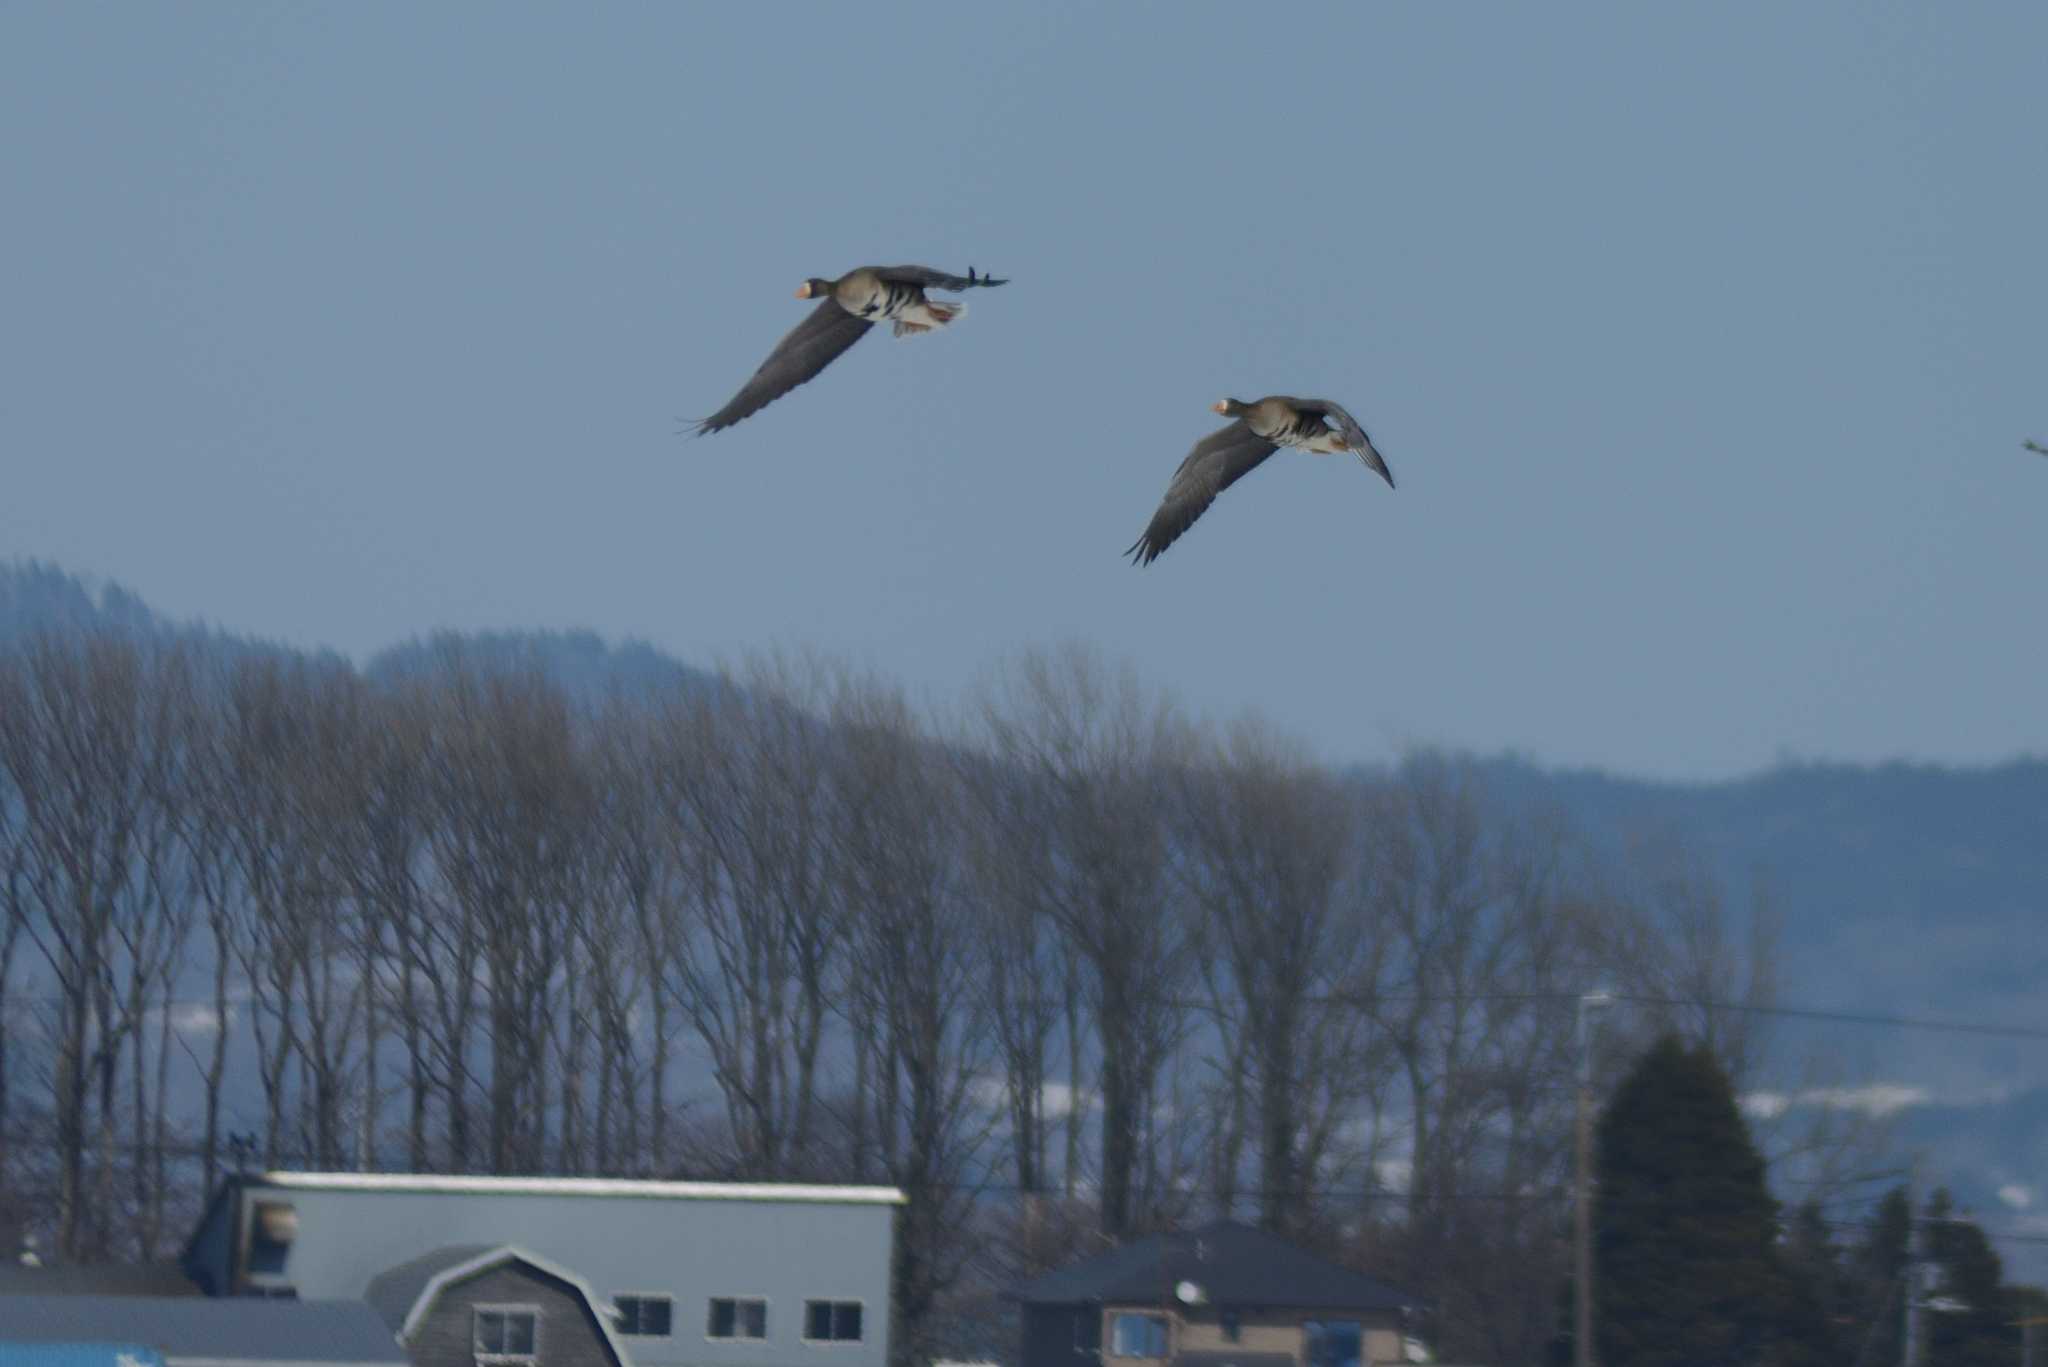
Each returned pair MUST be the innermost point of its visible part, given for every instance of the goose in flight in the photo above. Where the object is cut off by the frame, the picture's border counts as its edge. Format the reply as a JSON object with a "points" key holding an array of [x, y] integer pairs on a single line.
{"points": [[1227, 455], [847, 308]]}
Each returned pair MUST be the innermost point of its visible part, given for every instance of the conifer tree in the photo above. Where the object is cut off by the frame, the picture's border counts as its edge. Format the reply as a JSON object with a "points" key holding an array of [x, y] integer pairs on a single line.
{"points": [[1687, 1272]]}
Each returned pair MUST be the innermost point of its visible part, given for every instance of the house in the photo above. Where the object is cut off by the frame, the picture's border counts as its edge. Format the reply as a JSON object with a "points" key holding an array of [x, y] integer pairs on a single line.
{"points": [[1226, 1295], [458, 1306], [696, 1274], [192, 1331]]}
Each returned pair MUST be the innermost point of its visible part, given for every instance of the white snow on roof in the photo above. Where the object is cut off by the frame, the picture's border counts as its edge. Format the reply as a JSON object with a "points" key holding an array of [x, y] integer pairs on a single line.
{"points": [[586, 1186]]}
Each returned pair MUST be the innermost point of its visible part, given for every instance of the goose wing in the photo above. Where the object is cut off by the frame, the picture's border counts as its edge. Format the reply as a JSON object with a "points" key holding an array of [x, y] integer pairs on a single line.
{"points": [[924, 277], [1347, 426], [1218, 461], [810, 346]]}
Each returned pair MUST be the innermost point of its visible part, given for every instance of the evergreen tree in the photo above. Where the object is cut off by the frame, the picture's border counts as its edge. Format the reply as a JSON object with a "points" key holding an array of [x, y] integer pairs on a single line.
{"points": [[1971, 1311], [1687, 1272], [1878, 1282]]}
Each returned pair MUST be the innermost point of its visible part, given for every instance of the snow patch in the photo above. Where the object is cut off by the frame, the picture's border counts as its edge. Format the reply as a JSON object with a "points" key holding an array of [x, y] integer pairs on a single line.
{"points": [[1878, 1099]]}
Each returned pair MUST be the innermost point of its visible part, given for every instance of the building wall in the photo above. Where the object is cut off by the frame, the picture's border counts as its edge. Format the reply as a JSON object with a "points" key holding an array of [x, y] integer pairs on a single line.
{"points": [[1049, 1336], [1265, 1331], [567, 1337], [688, 1248]]}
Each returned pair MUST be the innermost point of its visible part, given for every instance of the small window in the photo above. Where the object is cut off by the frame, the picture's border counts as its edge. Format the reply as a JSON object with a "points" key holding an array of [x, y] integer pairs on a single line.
{"points": [[737, 1317], [1137, 1336], [507, 1333], [272, 1227], [832, 1321], [645, 1316], [1332, 1343]]}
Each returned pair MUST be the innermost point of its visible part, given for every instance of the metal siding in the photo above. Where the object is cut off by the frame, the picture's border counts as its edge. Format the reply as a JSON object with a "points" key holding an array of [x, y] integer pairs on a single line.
{"points": [[567, 1338], [785, 1251]]}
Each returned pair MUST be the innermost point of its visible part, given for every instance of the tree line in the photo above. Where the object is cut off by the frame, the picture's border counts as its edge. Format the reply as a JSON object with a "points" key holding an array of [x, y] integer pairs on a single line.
{"points": [[1062, 962]]}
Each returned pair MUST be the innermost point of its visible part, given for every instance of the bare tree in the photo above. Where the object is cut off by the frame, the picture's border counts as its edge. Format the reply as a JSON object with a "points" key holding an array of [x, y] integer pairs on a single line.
{"points": [[916, 974], [512, 808], [1091, 751], [1271, 861], [648, 884], [751, 802], [85, 763]]}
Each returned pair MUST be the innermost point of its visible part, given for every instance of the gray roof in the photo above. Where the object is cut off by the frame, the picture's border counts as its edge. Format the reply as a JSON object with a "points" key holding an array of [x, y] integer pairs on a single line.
{"points": [[96, 1279], [393, 1292], [1234, 1264], [1222, 1359], [227, 1330]]}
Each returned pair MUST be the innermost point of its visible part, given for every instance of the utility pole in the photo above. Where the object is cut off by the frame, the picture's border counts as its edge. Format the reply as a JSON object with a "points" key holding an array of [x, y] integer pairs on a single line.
{"points": [[1582, 1210], [1916, 1281]]}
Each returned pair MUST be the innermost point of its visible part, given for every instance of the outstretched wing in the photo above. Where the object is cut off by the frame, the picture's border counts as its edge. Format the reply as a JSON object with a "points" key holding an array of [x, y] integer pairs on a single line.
{"points": [[810, 346], [1218, 461], [925, 277], [1347, 426]]}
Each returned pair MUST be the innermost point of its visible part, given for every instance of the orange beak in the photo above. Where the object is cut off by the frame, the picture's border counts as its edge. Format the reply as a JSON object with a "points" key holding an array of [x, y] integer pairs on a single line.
{"points": [[803, 291], [1219, 407]]}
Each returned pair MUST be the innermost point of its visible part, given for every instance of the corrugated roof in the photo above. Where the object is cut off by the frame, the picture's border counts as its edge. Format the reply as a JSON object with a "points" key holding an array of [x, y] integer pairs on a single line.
{"points": [[79, 1355], [96, 1279], [1234, 1264], [202, 1329], [393, 1292], [583, 1186]]}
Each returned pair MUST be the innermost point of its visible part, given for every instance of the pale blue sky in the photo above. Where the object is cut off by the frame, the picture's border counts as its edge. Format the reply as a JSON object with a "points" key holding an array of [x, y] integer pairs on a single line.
{"points": [[1701, 339]]}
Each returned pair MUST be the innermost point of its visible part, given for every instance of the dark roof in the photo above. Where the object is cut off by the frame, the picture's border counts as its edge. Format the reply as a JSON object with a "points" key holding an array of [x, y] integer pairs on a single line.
{"points": [[234, 1329], [97, 1279], [1234, 1264], [1220, 1359], [393, 1292]]}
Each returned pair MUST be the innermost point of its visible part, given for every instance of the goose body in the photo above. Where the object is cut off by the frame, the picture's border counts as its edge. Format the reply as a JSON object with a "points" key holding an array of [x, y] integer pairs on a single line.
{"points": [[1219, 460], [847, 307]]}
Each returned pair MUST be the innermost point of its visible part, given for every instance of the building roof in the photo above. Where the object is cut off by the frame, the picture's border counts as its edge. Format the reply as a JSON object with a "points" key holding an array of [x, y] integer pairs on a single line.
{"points": [[197, 1330], [1233, 1264], [402, 1295], [393, 1292], [583, 1186], [1232, 1359], [96, 1279]]}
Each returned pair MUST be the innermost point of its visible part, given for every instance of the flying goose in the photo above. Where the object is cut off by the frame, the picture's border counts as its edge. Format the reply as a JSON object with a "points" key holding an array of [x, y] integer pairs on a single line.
{"points": [[847, 308], [1225, 456]]}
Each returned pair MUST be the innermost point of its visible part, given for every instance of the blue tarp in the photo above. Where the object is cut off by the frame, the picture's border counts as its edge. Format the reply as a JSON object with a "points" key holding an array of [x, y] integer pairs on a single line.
{"points": [[78, 1355]]}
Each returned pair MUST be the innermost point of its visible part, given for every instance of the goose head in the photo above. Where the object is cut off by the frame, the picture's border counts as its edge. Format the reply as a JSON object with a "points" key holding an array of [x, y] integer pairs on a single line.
{"points": [[1229, 408], [814, 288]]}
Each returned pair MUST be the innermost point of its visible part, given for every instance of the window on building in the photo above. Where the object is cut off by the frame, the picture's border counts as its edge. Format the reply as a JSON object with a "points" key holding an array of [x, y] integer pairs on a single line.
{"points": [[272, 1227], [646, 1316], [1137, 1336], [737, 1317], [832, 1321], [1332, 1343], [507, 1333]]}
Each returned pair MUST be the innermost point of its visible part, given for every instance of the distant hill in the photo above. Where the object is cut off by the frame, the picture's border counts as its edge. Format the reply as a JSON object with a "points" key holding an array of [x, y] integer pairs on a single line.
{"points": [[1883, 873], [580, 662]]}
